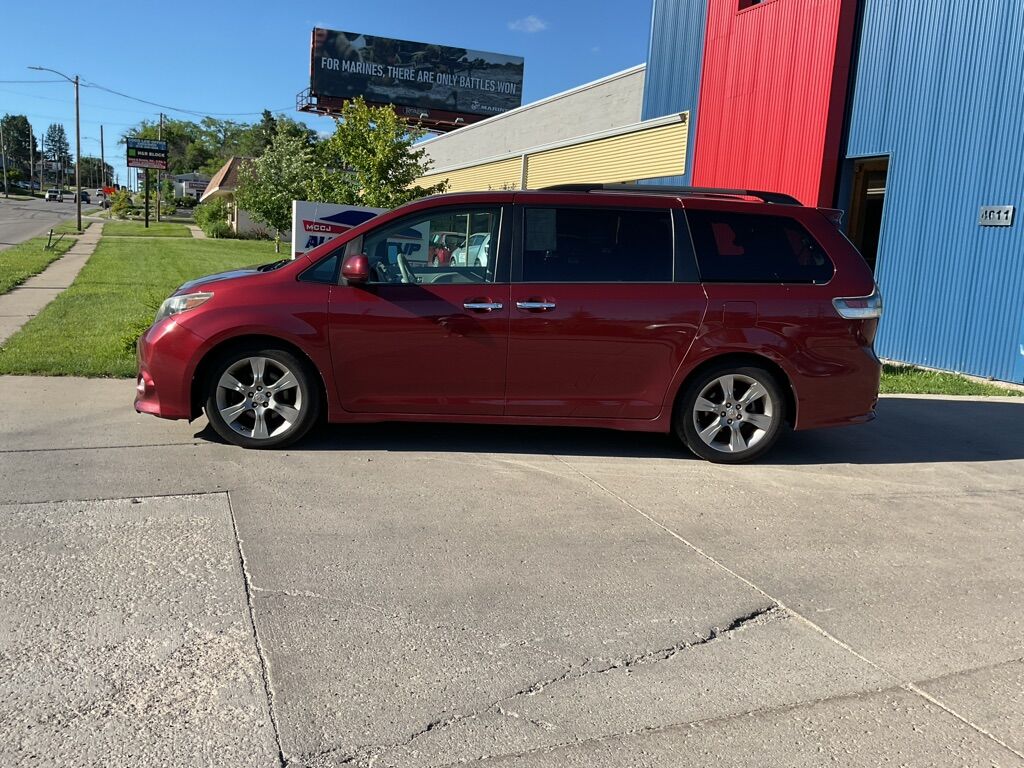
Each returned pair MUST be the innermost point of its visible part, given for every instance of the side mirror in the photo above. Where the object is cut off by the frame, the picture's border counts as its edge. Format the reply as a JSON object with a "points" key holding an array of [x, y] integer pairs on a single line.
{"points": [[356, 268]]}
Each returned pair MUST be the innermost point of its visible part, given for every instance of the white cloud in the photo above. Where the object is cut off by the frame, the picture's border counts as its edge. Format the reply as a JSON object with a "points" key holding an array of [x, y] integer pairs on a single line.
{"points": [[528, 24]]}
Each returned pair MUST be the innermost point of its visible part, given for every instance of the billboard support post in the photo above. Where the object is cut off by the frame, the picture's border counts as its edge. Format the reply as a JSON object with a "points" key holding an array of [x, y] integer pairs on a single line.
{"points": [[146, 184]]}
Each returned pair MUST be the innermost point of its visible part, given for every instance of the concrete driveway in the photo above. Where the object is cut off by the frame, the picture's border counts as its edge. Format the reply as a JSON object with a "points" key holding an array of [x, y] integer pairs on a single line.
{"points": [[417, 595]]}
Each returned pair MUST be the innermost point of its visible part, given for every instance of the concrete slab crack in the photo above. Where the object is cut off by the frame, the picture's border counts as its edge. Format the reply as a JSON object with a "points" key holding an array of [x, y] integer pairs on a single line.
{"points": [[247, 581], [368, 754]]}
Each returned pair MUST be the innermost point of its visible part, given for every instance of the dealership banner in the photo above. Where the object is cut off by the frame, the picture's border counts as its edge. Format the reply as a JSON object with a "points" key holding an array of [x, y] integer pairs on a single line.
{"points": [[314, 224], [412, 75]]}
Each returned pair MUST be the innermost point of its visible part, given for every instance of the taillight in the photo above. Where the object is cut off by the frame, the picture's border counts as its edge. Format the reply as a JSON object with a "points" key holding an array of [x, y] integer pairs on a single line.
{"points": [[860, 307]]}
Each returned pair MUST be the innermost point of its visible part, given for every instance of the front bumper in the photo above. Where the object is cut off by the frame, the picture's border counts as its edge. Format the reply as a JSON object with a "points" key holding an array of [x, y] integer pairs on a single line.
{"points": [[167, 356]]}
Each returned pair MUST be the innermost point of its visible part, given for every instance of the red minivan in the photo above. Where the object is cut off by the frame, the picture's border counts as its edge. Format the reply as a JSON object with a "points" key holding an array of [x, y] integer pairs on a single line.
{"points": [[724, 316]]}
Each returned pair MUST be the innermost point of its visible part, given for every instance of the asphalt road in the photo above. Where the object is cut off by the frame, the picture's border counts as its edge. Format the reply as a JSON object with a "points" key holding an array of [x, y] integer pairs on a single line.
{"points": [[419, 595], [22, 219]]}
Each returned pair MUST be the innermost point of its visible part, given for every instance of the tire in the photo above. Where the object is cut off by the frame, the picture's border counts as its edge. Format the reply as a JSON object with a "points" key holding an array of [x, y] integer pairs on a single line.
{"points": [[731, 428], [262, 397]]}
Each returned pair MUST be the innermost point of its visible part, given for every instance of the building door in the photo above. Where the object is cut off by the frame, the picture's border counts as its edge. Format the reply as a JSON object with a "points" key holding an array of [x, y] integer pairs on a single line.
{"points": [[869, 177]]}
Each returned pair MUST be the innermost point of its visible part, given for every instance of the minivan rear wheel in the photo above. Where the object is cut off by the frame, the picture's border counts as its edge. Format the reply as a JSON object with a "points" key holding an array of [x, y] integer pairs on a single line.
{"points": [[731, 414], [261, 398]]}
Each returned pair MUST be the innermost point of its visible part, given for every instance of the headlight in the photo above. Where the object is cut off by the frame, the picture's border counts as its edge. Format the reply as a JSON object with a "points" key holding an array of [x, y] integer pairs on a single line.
{"points": [[183, 303]]}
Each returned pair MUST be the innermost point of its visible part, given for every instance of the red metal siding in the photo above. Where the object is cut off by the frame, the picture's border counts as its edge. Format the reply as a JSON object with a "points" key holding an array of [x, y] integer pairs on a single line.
{"points": [[772, 96]]}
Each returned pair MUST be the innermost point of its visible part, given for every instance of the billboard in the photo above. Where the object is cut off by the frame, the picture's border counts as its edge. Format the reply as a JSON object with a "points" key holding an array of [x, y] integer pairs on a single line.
{"points": [[314, 224], [416, 78], [147, 153]]}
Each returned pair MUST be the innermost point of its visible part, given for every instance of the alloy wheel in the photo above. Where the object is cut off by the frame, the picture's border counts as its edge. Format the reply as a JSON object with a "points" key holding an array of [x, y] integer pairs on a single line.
{"points": [[259, 397], [733, 413]]}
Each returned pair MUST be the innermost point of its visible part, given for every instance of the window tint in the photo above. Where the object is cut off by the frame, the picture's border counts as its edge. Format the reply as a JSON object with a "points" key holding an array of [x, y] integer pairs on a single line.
{"points": [[751, 248], [448, 245], [596, 245], [324, 271]]}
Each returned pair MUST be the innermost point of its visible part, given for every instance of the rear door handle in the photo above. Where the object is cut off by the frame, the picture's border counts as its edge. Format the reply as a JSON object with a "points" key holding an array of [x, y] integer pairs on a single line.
{"points": [[483, 305], [535, 306]]}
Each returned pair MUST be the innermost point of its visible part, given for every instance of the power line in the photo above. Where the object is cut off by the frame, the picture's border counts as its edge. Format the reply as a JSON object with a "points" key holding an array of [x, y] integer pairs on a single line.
{"points": [[196, 113], [193, 112]]}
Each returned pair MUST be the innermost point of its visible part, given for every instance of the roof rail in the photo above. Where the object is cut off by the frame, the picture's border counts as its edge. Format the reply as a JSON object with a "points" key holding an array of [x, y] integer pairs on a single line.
{"points": [[776, 198]]}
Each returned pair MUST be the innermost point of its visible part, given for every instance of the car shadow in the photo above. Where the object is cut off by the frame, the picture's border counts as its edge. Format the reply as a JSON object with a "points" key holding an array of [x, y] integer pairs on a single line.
{"points": [[908, 431]]}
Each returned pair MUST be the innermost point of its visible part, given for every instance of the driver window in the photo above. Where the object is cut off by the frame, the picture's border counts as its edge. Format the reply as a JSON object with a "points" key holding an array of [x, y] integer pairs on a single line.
{"points": [[446, 245]]}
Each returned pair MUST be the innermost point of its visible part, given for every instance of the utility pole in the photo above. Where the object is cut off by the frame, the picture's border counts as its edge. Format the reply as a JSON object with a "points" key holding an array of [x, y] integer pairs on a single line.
{"points": [[159, 189], [78, 160], [78, 143], [3, 150], [31, 158], [103, 164]]}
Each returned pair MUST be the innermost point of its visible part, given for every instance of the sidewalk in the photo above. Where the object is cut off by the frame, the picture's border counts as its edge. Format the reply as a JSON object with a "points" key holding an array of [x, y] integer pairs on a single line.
{"points": [[28, 300], [197, 233]]}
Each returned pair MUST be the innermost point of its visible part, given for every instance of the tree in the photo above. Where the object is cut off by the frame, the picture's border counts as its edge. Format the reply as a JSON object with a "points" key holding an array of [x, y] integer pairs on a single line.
{"points": [[18, 138], [56, 148], [93, 175], [371, 160], [268, 184]]}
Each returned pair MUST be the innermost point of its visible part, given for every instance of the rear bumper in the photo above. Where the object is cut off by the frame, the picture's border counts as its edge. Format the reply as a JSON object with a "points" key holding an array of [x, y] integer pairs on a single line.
{"points": [[163, 385], [848, 394]]}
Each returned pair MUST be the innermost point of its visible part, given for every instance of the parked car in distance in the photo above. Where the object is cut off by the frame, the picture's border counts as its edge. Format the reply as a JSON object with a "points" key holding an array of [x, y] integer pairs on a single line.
{"points": [[726, 317], [441, 246], [54, 194], [474, 252]]}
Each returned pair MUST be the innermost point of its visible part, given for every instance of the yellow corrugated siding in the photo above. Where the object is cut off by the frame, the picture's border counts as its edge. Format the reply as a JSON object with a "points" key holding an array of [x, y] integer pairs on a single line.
{"points": [[502, 174], [642, 155]]}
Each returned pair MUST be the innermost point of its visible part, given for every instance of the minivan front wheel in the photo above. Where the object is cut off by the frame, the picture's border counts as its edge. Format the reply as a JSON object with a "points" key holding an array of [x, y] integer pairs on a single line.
{"points": [[731, 414], [261, 398]]}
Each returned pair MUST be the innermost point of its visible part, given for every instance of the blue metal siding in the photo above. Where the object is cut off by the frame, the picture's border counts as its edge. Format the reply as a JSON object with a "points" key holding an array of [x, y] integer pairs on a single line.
{"points": [[937, 88], [672, 81]]}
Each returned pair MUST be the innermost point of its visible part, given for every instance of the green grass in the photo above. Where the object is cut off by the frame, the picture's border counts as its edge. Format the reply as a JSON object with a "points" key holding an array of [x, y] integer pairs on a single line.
{"points": [[82, 332], [903, 379], [69, 228], [20, 262], [137, 229]]}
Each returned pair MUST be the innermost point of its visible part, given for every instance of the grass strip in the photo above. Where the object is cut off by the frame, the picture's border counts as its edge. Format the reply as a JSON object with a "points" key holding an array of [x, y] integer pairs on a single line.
{"points": [[69, 227], [20, 262], [908, 380], [83, 332], [138, 229]]}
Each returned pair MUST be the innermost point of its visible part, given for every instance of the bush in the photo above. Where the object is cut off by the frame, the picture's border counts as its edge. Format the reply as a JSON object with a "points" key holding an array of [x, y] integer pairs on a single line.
{"points": [[186, 202], [212, 217], [218, 229], [121, 205]]}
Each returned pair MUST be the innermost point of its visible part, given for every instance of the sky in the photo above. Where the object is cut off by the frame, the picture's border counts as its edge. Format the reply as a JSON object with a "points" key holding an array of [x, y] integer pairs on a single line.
{"points": [[233, 59]]}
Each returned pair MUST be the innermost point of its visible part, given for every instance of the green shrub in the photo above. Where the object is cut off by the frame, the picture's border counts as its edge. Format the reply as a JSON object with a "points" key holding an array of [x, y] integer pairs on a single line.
{"points": [[212, 217], [218, 229], [121, 205]]}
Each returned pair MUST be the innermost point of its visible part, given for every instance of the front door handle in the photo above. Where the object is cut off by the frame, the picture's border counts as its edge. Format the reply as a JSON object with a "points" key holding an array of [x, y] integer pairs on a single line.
{"points": [[483, 305], [535, 306]]}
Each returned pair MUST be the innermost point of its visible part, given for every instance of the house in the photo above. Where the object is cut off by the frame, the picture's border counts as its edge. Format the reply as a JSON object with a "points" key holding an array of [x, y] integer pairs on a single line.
{"points": [[223, 184]]}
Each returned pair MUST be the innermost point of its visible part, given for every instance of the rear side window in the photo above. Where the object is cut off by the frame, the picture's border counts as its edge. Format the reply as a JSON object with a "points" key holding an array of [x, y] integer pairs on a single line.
{"points": [[753, 248], [596, 245]]}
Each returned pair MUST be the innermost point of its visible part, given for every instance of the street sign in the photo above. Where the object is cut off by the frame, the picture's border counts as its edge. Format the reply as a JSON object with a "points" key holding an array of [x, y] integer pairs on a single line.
{"points": [[147, 153]]}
